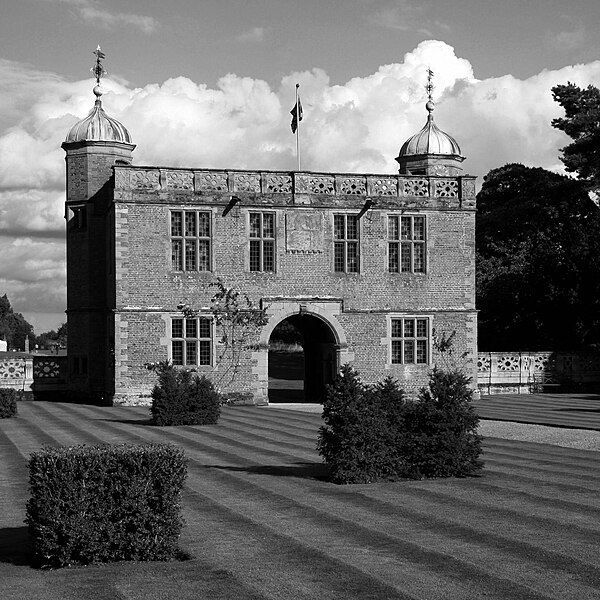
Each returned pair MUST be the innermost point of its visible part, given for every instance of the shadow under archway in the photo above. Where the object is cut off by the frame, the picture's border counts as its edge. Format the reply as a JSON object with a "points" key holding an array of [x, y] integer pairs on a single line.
{"points": [[303, 376]]}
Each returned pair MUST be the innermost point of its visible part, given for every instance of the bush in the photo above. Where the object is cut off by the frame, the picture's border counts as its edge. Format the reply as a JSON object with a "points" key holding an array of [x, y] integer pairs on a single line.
{"points": [[183, 398], [105, 503], [373, 433], [8, 402], [362, 426], [440, 429]]}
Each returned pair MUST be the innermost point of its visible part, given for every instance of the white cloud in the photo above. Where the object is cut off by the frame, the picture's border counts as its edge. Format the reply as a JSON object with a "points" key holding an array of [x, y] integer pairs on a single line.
{"points": [[244, 123], [572, 38], [404, 15], [254, 35], [93, 12]]}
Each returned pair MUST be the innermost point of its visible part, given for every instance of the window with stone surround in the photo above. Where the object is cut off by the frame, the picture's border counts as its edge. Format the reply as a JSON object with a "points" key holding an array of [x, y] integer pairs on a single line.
{"points": [[410, 340], [262, 242], [190, 240], [191, 341], [406, 244], [345, 244]]}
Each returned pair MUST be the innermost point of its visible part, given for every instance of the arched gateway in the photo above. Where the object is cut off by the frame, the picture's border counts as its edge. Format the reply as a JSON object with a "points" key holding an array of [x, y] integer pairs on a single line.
{"points": [[324, 343]]}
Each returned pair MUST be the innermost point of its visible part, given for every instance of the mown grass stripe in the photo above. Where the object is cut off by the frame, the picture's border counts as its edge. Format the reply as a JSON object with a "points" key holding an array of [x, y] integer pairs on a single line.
{"points": [[334, 531], [497, 502], [341, 505], [267, 550]]}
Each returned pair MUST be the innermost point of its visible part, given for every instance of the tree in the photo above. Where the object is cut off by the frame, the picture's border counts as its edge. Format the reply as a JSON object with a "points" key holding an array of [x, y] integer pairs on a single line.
{"points": [[538, 262], [13, 326], [58, 337], [581, 123]]}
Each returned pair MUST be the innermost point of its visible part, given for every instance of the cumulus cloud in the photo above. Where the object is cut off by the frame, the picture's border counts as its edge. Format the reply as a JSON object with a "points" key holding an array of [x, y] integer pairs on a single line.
{"points": [[245, 123]]}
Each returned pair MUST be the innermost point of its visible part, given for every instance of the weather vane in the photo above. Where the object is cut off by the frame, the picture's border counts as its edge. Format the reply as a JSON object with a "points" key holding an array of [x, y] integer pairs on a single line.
{"points": [[429, 87], [98, 69]]}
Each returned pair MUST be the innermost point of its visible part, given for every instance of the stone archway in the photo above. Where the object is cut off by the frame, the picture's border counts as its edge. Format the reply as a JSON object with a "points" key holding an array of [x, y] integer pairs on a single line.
{"points": [[319, 358], [324, 343]]}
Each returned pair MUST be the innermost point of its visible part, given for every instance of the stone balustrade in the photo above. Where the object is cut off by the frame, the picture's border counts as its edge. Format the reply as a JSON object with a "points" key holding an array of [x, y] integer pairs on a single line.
{"points": [[32, 372], [530, 372], [128, 178]]}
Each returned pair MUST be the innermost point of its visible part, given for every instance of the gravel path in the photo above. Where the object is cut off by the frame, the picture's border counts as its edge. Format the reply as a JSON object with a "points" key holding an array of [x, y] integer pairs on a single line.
{"points": [[582, 439]]}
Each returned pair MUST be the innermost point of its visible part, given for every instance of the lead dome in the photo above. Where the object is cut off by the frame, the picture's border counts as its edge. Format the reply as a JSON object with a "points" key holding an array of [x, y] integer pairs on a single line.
{"points": [[430, 140], [98, 126]]}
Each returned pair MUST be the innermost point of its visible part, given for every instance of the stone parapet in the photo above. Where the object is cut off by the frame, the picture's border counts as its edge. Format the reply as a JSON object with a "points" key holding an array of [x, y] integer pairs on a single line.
{"points": [[535, 372], [455, 190]]}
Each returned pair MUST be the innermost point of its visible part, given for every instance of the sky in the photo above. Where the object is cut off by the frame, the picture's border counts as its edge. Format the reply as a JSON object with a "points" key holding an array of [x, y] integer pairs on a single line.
{"points": [[210, 83]]}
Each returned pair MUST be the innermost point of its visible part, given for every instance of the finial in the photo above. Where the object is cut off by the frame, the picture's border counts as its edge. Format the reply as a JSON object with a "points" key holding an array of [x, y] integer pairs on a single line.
{"points": [[99, 71], [429, 87]]}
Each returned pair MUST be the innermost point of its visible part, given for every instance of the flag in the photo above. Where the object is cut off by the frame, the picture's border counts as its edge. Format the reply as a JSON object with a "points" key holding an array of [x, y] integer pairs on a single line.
{"points": [[296, 113]]}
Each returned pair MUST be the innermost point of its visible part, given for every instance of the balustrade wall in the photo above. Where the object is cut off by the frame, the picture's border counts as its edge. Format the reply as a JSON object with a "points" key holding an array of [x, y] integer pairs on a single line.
{"points": [[31, 373], [272, 182], [531, 372]]}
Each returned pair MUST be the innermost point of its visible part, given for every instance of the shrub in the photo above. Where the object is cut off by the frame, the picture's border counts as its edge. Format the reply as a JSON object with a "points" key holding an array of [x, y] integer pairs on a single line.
{"points": [[8, 402], [361, 429], [373, 433], [183, 398], [440, 429], [105, 503]]}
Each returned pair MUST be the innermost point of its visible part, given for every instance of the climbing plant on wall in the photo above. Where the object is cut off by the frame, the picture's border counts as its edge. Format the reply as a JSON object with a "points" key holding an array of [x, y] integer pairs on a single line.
{"points": [[238, 321]]}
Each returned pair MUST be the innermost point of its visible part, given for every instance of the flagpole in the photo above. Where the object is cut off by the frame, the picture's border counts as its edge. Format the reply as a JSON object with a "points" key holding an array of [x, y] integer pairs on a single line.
{"points": [[297, 127]]}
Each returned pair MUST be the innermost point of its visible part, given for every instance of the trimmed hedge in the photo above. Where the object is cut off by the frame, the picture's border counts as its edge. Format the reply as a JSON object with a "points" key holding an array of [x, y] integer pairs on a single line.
{"points": [[93, 504], [183, 398], [8, 402], [374, 433]]}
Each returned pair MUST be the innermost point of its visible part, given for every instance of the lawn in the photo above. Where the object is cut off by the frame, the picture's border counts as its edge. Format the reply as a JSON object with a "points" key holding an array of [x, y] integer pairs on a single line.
{"points": [[262, 523]]}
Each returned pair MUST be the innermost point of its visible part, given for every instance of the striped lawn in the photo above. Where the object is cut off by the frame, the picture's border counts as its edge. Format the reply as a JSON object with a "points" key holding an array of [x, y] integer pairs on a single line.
{"points": [[262, 522], [579, 411]]}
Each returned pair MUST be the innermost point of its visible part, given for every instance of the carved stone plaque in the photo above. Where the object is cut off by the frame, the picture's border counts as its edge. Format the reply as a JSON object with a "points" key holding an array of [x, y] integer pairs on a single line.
{"points": [[304, 232]]}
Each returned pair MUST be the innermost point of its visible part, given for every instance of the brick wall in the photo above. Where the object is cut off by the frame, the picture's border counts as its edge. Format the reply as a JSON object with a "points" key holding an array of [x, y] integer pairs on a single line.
{"points": [[148, 290]]}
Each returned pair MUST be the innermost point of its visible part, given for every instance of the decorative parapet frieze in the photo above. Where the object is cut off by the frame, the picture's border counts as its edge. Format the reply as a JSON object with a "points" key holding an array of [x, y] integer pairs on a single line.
{"points": [[212, 181], [467, 188], [445, 188], [276, 183], [180, 180], [303, 184], [145, 179], [382, 186], [416, 187], [354, 186], [311, 183], [246, 182], [123, 179]]}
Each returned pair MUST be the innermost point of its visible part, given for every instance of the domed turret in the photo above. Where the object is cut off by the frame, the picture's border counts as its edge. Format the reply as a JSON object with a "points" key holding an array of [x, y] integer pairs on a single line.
{"points": [[431, 151], [98, 126]]}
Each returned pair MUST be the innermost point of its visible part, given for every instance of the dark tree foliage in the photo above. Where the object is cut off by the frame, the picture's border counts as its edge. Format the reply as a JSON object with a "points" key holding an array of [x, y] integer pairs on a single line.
{"points": [[538, 262], [440, 436], [582, 124], [58, 336], [362, 427], [13, 326], [374, 433], [8, 402]]}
